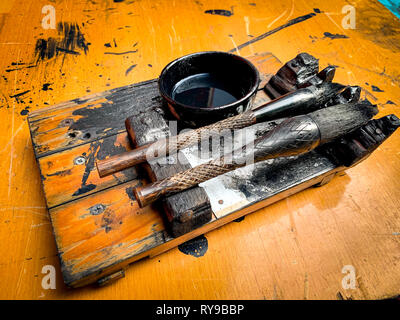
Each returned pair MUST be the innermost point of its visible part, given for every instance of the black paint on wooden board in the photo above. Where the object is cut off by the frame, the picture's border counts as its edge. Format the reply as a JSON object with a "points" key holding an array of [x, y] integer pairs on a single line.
{"points": [[24, 112], [108, 223], [97, 121], [121, 53], [239, 219], [99, 150]]}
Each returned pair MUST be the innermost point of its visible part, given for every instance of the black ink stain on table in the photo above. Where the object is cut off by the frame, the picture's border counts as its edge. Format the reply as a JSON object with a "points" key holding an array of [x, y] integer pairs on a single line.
{"points": [[334, 36], [24, 67], [20, 94], [196, 247], [220, 12], [18, 97], [270, 32], [24, 112], [84, 189], [121, 53], [239, 219], [61, 173], [70, 40], [376, 89], [130, 69], [46, 86]]}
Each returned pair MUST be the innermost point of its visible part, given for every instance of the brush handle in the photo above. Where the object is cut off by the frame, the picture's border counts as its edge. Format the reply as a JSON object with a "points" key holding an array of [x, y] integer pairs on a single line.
{"points": [[293, 136], [301, 101], [170, 145]]}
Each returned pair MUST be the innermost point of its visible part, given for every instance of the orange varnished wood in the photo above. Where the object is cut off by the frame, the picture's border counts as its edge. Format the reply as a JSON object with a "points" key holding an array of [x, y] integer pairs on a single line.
{"points": [[53, 127], [86, 234], [51, 135], [293, 249], [87, 227], [62, 173]]}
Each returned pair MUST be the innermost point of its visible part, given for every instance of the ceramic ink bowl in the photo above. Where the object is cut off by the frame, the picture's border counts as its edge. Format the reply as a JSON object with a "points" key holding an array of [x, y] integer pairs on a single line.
{"points": [[205, 87]]}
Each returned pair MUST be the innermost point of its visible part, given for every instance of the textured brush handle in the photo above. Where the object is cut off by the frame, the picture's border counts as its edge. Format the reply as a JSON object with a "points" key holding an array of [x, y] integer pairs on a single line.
{"points": [[170, 145], [192, 137], [294, 136], [180, 181], [299, 102]]}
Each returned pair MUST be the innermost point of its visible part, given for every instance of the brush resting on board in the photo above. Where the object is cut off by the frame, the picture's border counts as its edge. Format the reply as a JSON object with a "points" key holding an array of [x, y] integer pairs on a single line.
{"points": [[294, 136], [294, 103]]}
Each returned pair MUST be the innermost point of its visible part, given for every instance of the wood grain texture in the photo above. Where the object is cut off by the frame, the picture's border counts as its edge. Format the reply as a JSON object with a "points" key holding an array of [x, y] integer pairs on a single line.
{"points": [[87, 119], [70, 180], [71, 174], [294, 249], [86, 227]]}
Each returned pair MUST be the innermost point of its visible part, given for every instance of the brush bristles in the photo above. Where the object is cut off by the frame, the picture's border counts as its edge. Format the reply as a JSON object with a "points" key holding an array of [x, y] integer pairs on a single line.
{"points": [[338, 120]]}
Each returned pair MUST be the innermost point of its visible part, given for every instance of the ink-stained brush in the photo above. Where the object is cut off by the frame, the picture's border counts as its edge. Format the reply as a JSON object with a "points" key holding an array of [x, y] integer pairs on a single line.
{"points": [[299, 102], [294, 136]]}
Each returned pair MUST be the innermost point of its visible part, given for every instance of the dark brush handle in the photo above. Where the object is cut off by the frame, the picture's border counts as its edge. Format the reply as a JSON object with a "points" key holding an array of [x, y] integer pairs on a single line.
{"points": [[299, 102], [170, 145], [294, 136]]}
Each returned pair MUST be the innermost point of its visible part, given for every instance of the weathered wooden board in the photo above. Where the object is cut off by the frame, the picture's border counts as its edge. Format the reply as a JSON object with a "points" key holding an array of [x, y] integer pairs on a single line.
{"points": [[98, 226], [71, 174], [88, 119], [105, 232], [69, 137], [294, 249], [89, 213]]}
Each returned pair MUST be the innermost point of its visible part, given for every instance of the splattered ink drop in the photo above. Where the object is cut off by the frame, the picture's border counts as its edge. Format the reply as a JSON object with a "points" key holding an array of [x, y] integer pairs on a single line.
{"points": [[196, 247]]}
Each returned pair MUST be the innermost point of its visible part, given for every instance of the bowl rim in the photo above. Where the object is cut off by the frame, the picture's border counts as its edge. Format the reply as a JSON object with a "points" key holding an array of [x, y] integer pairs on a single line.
{"points": [[251, 92]]}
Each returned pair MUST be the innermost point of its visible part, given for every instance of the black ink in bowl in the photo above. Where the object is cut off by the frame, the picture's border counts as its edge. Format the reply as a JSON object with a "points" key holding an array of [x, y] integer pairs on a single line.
{"points": [[203, 90], [206, 87]]}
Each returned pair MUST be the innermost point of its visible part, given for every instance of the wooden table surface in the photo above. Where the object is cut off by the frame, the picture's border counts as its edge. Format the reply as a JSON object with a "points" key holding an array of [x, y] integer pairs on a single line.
{"points": [[294, 249]]}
